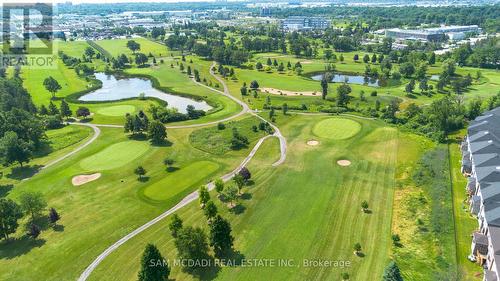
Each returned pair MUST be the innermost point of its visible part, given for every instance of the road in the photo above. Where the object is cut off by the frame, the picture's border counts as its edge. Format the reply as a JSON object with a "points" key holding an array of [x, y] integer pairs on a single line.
{"points": [[194, 195]]}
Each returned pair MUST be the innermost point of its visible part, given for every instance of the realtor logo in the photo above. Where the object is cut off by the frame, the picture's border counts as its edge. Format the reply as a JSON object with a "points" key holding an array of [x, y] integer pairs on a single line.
{"points": [[27, 35]]}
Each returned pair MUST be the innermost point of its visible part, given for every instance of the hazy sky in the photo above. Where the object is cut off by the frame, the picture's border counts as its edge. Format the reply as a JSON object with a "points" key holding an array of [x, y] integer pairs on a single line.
{"points": [[128, 1]]}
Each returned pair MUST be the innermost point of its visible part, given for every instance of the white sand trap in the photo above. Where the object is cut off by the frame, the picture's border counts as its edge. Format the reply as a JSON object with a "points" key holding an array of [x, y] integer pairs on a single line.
{"points": [[312, 142], [344, 162], [289, 93], [83, 179]]}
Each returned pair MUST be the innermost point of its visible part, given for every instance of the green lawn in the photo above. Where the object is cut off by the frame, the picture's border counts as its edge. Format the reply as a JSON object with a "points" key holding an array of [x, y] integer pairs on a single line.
{"points": [[117, 47], [98, 213], [307, 208], [337, 128]]}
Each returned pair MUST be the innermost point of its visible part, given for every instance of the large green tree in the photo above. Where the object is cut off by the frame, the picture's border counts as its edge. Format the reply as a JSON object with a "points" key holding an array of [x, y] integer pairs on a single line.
{"points": [[392, 273], [192, 244], [14, 149], [157, 132], [32, 203], [153, 266], [10, 213], [220, 236], [343, 92], [51, 85]]}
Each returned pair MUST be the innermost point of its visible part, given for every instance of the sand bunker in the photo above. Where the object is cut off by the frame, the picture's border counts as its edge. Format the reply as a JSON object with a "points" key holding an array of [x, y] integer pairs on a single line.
{"points": [[312, 142], [83, 179], [289, 93], [344, 162]]}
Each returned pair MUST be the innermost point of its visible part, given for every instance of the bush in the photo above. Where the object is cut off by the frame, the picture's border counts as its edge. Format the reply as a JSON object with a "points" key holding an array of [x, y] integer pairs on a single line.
{"points": [[373, 93], [221, 126]]}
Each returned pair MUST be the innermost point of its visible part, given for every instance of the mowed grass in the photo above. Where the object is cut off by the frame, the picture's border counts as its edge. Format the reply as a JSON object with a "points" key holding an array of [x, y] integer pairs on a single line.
{"points": [[337, 128], [115, 156], [117, 47], [97, 214], [308, 208], [117, 110], [216, 141], [178, 181]]}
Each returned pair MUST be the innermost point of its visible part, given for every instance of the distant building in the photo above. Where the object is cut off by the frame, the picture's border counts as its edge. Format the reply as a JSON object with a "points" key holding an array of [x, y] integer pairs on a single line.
{"points": [[265, 11], [481, 166], [430, 34], [297, 23]]}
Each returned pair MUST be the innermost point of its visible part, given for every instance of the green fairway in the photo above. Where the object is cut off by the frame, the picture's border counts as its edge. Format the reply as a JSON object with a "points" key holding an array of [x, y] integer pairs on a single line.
{"points": [[115, 156], [179, 180], [117, 110], [117, 47], [337, 128], [306, 209]]}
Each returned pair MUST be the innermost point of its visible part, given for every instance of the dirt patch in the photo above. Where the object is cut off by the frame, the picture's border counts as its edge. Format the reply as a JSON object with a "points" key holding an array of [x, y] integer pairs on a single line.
{"points": [[289, 93], [83, 179], [344, 163], [312, 142]]}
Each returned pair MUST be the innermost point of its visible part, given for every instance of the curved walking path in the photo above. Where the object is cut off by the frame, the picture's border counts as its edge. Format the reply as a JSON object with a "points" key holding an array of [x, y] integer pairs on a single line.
{"points": [[194, 195], [97, 132]]}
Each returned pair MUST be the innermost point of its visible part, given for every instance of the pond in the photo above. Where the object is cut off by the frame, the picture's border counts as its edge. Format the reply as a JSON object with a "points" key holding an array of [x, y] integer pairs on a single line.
{"points": [[116, 89], [351, 79]]}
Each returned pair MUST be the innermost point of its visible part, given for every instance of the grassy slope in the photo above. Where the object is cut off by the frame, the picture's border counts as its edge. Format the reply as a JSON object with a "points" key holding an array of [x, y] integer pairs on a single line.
{"points": [[117, 47], [465, 223], [98, 213], [324, 222]]}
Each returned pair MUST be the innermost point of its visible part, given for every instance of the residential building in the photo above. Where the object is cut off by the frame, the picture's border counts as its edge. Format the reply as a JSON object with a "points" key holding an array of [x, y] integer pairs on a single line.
{"points": [[481, 166], [297, 23]]}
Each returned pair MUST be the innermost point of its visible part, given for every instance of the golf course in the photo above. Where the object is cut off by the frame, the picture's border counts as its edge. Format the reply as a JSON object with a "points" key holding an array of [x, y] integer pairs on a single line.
{"points": [[331, 185]]}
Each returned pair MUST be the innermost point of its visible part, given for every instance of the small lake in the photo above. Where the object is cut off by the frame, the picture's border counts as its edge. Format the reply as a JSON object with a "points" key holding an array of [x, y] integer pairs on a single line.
{"points": [[116, 89], [351, 79]]}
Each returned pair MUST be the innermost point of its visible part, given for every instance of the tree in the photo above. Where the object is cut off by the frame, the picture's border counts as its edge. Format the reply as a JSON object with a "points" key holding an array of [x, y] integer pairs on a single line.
{"points": [[254, 85], [410, 86], [357, 248], [204, 196], [220, 236], [232, 195], [175, 225], [14, 149], [432, 59], [51, 85], [392, 273], [140, 171], [65, 110], [343, 92], [53, 216], [356, 57], [32, 203], [423, 85], [239, 181], [53, 109], [169, 162], [395, 239], [345, 276], [192, 244], [157, 132], [366, 58], [141, 59], [407, 69], [153, 265], [10, 213], [324, 86], [374, 58], [210, 210], [341, 58], [259, 65], [364, 206], [245, 174], [34, 230], [133, 46], [82, 112], [284, 108], [157, 32], [89, 52], [219, 185]]}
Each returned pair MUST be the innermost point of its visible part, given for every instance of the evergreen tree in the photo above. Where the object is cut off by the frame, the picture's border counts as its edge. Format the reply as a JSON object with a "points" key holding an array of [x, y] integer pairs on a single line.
{"points": [[53, 216], [153, 265], [175, 225], [392, 273], [65, 110]]}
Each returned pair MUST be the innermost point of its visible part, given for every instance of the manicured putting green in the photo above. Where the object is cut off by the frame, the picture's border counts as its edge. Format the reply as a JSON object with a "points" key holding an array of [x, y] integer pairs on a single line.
{"points": [[115, 156], [179, 180], [116, 110], [337, 128]]}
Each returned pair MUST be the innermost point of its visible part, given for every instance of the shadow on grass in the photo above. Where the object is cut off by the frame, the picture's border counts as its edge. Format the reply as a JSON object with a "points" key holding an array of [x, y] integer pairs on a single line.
{"points": [[143, 179], [246, 196], [238, 209], [20, 173], [165, 143], [204, 272], [58, 228], [172, 169], [15, 247], [5, 189]]}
